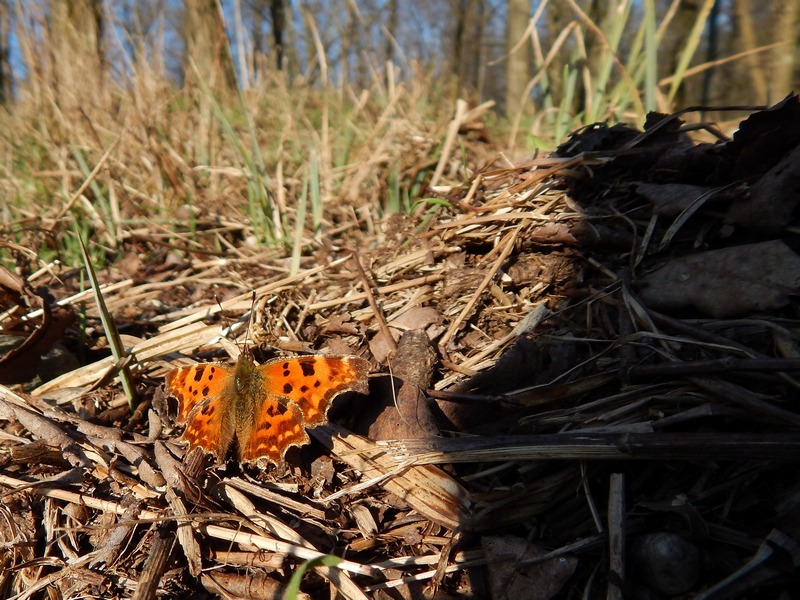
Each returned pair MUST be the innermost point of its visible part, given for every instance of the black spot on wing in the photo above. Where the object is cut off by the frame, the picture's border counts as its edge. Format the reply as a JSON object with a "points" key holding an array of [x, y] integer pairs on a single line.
{"points": [[308, 368], [276, 409]]}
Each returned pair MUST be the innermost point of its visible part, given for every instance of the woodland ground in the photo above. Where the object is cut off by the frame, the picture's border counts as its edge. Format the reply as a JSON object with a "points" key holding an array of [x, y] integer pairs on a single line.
{"points": [[583, 376]]}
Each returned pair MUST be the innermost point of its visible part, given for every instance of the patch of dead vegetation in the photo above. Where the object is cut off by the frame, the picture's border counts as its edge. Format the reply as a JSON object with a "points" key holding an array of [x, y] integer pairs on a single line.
{"points": [[608, 339]]}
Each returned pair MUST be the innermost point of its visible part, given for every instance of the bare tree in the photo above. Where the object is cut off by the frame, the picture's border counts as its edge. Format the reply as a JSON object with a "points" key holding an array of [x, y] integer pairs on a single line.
{"points": [[468, 52], [518, 63], [764, 74], [75, 29], [271, 28], [144, 24], [784, 55], [391, 28], [5, 66], [748, 41], [680, 30], [208, 55], [278, 14]]}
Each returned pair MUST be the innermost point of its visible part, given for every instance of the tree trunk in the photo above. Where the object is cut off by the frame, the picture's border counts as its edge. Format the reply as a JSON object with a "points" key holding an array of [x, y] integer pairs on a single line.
{"points": [[75, 29], [518, 63], [277, 10], [5, 66], [391, 27], [745, 33], [784, 33], [680, 30], [208, 55], [468, 33]]}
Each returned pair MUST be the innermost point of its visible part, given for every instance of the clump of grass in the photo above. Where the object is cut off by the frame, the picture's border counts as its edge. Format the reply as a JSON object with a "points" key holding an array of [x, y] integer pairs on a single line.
{"points": [[235, 165], [246, 160], [604, 69]]}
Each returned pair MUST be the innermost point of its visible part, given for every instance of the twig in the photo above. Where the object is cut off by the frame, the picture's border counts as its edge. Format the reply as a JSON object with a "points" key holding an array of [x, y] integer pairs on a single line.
{"points": [[616, 535], [376, 310], [387, 289], [450, 138], [728, 364], [743, 397], [88, 179], [155, 565], [242, 537], [600, 446], [467, 310]]}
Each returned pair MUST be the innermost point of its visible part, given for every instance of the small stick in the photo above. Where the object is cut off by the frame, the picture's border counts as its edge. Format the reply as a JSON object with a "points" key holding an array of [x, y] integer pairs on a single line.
{"points": [[155, 565], [450, 334], [576, 445], [374, 305], [726, 364], [616, 536]]}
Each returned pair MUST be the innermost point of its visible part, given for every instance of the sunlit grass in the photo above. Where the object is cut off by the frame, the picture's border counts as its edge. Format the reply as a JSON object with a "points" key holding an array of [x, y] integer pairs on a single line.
{"points": [[278, 157], [618, 81]]}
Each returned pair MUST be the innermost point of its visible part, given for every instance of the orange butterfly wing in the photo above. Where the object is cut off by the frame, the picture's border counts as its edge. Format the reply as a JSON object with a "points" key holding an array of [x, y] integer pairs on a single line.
{"points": [[297, 393], [204, 405]]}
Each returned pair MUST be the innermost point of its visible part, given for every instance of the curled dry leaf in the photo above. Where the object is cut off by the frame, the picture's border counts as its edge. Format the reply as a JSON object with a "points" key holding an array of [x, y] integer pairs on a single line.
{"points": [[670, 199], [19, 363], [772, 200], [405, 413], [726, 282]]}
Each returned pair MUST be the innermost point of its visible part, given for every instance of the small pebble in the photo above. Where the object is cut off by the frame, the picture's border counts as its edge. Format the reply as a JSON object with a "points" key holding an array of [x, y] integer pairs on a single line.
{"points": [[665, 562]]}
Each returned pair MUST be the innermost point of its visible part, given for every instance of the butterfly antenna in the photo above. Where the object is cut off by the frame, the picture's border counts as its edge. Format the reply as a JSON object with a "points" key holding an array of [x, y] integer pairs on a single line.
{"points": [[228, 324], [230, 328], [395, 400], [250, 320]]}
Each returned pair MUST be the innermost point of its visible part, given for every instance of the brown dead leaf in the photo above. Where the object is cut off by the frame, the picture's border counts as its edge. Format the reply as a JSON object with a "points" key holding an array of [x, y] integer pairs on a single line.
{"points": [[408, 415], [418, 318], [669, 198], [726, 282], [19, 363], [772, 200], [765, 137], [10, 284], [341, 323]]}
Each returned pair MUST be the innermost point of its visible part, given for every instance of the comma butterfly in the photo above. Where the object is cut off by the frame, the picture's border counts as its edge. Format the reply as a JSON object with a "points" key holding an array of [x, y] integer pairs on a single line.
{"points": [[266, 407]]}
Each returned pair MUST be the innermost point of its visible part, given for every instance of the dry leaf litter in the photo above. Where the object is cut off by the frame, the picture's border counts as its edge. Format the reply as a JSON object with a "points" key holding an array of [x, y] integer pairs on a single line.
{"points": [[584, 385]]}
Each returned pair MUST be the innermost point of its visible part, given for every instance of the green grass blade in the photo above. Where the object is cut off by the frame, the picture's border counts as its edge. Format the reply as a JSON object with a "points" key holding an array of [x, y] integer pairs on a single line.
{"points": [[315, 193], [651, 56], [264, 210], [293, 587], [695, 37], [110, 328], [616, 19], [299, 228], [564, 120]]}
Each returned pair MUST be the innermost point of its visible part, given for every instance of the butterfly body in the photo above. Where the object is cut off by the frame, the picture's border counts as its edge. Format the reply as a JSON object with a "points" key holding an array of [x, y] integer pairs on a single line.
{"points": [[265, 407]]}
